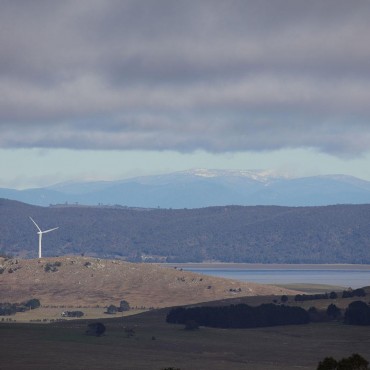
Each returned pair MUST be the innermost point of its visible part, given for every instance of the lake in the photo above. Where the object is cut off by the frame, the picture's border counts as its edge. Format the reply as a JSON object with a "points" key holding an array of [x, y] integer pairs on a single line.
{"points": [[354, 276]]}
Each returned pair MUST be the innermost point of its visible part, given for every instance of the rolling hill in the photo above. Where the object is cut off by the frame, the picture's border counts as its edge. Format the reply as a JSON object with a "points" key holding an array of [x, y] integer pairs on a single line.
{"points": [[83, 281], [261, 234]]}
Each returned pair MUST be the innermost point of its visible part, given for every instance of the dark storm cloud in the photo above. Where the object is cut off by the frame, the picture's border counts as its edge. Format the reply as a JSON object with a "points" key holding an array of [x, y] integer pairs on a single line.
{"points": [[186, 75]]}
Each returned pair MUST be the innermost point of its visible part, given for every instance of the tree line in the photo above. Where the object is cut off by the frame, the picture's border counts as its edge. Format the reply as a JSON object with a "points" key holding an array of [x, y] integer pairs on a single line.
{"points": [[7, 309], [239, 316], [268, 314], [350, 293]]}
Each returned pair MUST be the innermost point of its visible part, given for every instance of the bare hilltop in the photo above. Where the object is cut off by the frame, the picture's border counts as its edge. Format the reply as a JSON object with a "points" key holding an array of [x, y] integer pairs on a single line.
{"points": [[86, 281]]}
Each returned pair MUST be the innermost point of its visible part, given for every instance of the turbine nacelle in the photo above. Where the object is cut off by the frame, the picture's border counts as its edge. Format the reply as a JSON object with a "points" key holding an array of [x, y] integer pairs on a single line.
{"points": [[40, 232]]}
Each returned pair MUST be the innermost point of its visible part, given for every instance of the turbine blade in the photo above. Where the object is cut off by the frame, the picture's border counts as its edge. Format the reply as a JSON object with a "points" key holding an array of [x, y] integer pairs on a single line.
{"points": [[47, 231], [35, 223]]}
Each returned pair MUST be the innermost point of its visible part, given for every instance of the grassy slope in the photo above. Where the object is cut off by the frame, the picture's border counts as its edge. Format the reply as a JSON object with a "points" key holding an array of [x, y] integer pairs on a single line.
{"points": [[84, 281]]}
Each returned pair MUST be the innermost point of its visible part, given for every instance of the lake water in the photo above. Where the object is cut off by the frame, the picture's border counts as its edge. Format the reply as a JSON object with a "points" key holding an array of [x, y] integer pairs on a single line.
{"points": [[355, 277]]}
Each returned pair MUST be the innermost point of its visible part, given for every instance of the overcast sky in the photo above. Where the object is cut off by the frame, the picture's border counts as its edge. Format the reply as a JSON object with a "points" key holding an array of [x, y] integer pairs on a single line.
{"points": [[134, 87]]}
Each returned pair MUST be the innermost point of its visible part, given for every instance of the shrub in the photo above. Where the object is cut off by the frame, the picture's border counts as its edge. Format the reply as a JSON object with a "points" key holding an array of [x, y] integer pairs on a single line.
{"points": [[354, 293], [112, 309], [33, 303], [123, 306], [7, 309], [95, 329], [72, 314], [284, 298], [333, 311], [357, 313], [52, 267]]}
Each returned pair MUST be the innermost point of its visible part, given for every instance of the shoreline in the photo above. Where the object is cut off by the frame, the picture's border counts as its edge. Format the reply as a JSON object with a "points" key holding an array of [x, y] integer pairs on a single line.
{"points": [[266, 266]]}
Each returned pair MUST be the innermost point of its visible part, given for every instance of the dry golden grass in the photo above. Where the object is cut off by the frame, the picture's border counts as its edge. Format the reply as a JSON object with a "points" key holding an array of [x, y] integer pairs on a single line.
{"points": [[47, 314], [88, 282]]}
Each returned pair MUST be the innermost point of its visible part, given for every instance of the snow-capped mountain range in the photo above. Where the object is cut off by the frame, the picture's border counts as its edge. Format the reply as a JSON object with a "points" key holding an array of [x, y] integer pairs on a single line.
{"points": [[201, 188]]}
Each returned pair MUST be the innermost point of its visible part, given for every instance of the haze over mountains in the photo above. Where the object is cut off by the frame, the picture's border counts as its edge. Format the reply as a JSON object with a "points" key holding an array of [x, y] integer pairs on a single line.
{"points": [[203, 188]]}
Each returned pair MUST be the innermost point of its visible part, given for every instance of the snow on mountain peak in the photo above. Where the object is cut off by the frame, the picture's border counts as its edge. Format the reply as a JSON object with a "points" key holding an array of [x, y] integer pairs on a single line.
{"points": [[256, 175]]}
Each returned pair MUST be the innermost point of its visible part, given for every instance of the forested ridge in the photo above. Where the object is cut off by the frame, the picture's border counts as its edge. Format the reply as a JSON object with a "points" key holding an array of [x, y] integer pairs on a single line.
{"points": [[265, 234]]}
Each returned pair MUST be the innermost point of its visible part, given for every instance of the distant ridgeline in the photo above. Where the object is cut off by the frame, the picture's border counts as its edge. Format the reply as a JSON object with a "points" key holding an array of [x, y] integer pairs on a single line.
{"points": [[258, 234]]}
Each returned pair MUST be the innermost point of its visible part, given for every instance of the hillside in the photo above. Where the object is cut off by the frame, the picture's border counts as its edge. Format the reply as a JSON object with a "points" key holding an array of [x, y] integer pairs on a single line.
{"points": [[83, 281], [203, 188], [263, 234]]}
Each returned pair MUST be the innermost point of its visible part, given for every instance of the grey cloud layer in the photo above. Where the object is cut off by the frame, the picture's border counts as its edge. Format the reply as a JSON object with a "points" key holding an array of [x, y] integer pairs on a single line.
{"points": [[186, 75]]}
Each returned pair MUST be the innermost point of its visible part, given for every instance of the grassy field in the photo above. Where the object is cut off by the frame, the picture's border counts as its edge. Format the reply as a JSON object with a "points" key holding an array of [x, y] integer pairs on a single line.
{"points": [[157, 345], [49, 314]]}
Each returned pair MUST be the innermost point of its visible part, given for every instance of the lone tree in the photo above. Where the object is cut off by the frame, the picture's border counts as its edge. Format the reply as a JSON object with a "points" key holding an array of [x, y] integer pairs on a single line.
{"points": [[33, 303], [284, 298], [112, 309], [333, 311], [357, 313], [95, 329], [123, 306]]}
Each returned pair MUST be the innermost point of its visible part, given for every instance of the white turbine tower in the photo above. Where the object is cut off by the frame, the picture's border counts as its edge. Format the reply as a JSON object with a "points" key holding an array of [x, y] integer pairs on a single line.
{"points": [[40, 232]]}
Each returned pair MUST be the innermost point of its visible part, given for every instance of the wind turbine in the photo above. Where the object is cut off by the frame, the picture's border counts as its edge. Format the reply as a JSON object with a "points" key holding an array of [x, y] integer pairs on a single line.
{"points": [[40, 232]]}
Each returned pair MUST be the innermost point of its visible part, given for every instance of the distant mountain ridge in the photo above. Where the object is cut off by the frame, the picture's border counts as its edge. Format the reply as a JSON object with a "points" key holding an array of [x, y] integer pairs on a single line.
{"points": [[203, 188]]}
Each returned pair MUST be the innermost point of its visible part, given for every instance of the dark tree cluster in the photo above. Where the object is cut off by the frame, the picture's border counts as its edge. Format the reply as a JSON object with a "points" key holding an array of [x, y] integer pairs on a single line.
{"points": [[333, 295], [72, 314], [96, 329], [111, 310], [354, 293], [354, 362], [357, 313], [52, 267], [333, 311], [239, 316], [33, 303], [123, 306], [311, 297], [7, 309]]}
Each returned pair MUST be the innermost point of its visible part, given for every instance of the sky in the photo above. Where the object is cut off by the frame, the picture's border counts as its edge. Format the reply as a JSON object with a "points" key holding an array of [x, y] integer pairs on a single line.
{"points": [[110, 89]]}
